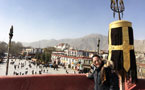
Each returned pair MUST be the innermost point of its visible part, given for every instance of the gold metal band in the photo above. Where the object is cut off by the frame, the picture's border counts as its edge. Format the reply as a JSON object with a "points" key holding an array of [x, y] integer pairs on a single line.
{"points": [[120, 23], [125, 47]]}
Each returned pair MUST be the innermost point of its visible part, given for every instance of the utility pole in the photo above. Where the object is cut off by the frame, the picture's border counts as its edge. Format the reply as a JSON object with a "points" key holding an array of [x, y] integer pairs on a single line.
{"points": [[9, 45], [98, 45]]}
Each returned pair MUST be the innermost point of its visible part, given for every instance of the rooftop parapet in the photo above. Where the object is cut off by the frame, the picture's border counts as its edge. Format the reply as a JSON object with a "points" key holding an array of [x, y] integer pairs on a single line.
{"points": [[54, 82]]}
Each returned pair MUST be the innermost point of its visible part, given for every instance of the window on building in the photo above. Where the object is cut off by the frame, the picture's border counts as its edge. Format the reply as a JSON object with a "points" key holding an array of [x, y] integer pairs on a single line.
{"points": [[86, 61]]}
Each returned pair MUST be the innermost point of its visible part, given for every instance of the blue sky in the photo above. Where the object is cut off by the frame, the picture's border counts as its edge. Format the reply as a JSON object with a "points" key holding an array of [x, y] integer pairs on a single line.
{"points": [[34, 20]]}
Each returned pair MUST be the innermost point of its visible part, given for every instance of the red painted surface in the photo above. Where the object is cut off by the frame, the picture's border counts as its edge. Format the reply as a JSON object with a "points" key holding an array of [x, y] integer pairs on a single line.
{"points": [[55, 82], [46, 82], [140, 85]]}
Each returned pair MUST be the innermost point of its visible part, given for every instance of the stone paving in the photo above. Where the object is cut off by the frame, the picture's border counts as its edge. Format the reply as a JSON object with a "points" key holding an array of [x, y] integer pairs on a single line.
{"points": [[22, 67]]}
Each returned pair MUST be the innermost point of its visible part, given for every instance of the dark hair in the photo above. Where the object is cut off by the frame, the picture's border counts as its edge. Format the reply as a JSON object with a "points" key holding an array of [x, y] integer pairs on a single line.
{"points": [[95, 55]]}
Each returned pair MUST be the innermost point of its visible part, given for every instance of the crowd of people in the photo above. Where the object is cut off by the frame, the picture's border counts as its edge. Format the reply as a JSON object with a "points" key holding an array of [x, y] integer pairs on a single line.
{"points": [[28, 67]]}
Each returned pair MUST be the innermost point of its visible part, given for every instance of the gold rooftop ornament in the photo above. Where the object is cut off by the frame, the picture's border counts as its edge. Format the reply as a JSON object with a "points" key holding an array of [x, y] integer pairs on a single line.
{"points": [[121, 46], [121, 41], [117, 7]]}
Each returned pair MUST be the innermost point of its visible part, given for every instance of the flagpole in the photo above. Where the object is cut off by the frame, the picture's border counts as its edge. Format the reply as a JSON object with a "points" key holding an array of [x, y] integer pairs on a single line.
{"points": [[98, 45], [9, 45]]}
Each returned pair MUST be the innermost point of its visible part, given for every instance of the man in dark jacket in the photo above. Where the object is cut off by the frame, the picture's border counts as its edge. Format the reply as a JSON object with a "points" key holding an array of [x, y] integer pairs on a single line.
{"points": [[102, 75]]}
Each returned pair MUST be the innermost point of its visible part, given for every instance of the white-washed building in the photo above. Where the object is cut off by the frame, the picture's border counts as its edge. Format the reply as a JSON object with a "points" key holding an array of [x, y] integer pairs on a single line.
{"points": [[72, 61], [62, 46]]}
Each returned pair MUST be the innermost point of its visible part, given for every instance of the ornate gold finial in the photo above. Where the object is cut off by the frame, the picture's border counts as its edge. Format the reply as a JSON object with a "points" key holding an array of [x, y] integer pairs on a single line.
{"points": [[117, 7]]}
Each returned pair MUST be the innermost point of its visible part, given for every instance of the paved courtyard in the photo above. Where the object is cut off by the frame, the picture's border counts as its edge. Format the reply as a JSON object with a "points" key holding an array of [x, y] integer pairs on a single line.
{"points": [[25, 67]]}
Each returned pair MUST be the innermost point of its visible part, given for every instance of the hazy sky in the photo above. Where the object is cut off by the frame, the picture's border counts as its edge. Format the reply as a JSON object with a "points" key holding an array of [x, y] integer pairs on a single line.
{"points": [[35, 20]]}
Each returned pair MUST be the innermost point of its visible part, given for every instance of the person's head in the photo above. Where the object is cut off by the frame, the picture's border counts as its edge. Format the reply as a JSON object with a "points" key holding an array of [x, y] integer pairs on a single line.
{"points": [[96, 60]]}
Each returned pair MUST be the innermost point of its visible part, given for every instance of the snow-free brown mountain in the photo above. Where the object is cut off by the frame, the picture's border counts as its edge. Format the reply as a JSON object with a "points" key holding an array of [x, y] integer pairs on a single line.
{"points": [[88, 42]]}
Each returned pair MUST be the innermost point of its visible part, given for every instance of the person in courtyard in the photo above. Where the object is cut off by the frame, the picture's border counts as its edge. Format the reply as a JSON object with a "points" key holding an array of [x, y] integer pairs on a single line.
{"points": [[54, 65]]}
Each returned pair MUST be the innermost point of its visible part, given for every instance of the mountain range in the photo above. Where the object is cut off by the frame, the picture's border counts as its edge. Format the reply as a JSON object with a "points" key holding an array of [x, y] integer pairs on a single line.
{"points": [[88, 42]]}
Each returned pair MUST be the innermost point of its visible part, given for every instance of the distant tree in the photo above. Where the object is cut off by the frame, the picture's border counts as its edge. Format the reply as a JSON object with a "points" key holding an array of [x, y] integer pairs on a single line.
{"points": [[49, 49], [3, 49], [47, 57], [43, 56], [16, 48], [38, 56]]}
